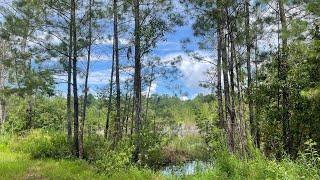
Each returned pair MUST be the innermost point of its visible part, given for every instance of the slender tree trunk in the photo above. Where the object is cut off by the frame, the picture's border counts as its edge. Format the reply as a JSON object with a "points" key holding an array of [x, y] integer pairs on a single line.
{"points": [[248, 53], [137, 79], [2, 99], [126, 109], [86, 89], [118, 130], [2, 81], [148, 94], [219, 87], [226, 89], [256, 87], [231, 70], [283, 78], [223, 120], [132, 116], [29, 117], [75, 86], [127, 114], [106, 131], [69, 112], [242, 126]]}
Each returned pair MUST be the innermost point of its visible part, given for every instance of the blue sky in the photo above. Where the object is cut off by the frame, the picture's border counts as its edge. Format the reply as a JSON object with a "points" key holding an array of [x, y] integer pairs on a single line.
{"points": [[186, 86]]}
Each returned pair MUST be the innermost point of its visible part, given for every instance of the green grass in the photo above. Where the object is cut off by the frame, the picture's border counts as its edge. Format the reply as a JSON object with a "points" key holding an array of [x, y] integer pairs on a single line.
{"points": [[12, 165], [186, 148], [21, 166], [18, 165]]}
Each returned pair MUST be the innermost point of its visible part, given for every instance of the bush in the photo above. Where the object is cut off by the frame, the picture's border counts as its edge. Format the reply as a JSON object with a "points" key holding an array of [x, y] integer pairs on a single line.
{"points": [[111, 161], [95, 147], [42, 144], [258, 167]]}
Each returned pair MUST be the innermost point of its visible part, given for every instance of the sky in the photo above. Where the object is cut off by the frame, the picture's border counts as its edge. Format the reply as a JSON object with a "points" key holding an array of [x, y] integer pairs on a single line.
{"points": [[186, 86]]}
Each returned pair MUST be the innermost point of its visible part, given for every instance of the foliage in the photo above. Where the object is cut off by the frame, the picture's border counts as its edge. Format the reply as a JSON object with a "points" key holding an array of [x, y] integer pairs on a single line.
{"points": [[42, 144], [310, 156], [113, 160], [229, 166], [47, 113]]}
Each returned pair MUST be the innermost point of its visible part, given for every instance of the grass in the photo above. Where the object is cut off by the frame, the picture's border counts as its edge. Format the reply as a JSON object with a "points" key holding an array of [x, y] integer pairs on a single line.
{"points": [[21, 166], [186, 148], [18, 165]]}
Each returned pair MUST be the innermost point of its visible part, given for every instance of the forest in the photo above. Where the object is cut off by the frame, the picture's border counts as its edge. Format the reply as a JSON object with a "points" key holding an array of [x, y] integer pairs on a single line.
{"points": [[159, 89]]}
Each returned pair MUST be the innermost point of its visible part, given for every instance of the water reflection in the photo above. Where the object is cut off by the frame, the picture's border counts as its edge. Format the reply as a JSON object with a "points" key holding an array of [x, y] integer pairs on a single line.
{"points": [[188, 168]]}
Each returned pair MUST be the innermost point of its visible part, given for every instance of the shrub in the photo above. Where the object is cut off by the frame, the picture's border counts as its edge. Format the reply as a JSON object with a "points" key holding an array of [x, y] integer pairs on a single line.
{"points": [[258, 167], [110, 161], [42, 144]]}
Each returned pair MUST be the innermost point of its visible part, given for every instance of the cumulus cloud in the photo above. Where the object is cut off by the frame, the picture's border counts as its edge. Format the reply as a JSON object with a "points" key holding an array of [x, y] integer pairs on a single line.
{"points": [[184, 98], [192, 70], [153, 89]]}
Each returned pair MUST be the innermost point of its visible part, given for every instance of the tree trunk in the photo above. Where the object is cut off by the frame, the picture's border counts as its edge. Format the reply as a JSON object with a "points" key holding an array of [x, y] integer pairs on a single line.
{"points": [[126, 106], [118, 130], [226, 87], [256, 87], [148, 94], [127, 114], [132, 116], [231, 70], [248, 53], [106, 131], [75, 86], [283, 78], [219, 87], [86, 89], [137, 79], [2, 81], [69, 112]]}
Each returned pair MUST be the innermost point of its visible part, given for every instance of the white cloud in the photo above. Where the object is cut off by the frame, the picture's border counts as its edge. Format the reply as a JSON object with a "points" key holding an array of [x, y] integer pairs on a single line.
{"points": [[109, 41], [153, 89], [184, 98], [96, 57], [193, 71]]}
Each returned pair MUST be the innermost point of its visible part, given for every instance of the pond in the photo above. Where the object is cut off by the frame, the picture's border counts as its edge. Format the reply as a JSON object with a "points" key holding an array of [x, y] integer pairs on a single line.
{"points": [[188, 168]]}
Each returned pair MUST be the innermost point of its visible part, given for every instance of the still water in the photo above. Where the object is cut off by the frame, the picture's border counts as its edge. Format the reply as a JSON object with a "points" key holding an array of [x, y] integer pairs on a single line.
{"points": [[188, 168]]}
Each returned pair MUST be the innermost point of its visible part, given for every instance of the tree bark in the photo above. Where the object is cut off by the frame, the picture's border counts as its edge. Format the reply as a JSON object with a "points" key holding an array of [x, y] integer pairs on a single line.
{"points": [[132, 116], [127, 114], [118, 130], [226, 86], [256, 86], [231, 70], [219, 87], [106, 131], [124, 126], [2, 81], [75, 86], [86, 89], [137, 79], [283, 78], [248, 53], [69, 112], [148, 94]]}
